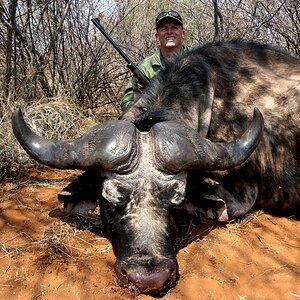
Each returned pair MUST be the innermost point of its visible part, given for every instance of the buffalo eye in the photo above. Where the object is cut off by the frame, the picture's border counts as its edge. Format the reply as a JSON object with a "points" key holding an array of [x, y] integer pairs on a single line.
{"points": [[115, 192], [174, 193]]}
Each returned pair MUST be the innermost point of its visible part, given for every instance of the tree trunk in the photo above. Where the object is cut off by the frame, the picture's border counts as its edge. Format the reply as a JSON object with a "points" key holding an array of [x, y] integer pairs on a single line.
{"points": [[10, 25]]}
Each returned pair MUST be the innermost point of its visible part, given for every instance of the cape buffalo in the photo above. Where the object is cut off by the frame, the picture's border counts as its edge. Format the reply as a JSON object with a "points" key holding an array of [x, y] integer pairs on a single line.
{"points": [[189, 143]]}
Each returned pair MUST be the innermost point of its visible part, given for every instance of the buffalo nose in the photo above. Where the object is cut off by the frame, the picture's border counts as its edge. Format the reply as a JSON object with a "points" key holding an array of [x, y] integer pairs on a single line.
{"points": [[149, 280]]}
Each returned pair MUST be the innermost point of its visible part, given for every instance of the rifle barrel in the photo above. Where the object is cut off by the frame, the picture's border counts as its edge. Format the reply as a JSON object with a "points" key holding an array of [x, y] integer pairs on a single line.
{"points": [[130, 65], [96, 21]]}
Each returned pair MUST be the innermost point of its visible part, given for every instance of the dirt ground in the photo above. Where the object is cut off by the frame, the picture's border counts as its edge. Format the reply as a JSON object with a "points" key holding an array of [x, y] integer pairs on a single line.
{"points": [[43, 255]]}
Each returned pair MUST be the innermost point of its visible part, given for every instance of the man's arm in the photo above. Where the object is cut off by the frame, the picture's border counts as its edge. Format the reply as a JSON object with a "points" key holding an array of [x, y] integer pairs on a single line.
{"points": [[127, 98], [132, 93]]}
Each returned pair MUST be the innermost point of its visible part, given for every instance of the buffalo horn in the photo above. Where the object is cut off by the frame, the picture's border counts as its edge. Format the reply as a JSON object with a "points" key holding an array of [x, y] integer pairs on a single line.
{"points": [[180, 148], [110, 145]]}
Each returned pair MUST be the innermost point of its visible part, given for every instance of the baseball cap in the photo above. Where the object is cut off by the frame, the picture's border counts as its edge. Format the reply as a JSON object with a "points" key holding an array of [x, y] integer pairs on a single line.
{"points": [[171, 14]]}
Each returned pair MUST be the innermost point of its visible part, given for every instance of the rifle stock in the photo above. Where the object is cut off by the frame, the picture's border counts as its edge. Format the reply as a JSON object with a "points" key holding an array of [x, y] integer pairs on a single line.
{"points": [[143, 80]]}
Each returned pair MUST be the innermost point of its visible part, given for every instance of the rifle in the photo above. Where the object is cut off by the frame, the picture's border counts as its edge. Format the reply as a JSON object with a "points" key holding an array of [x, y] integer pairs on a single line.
{"points": [[143, 80]]}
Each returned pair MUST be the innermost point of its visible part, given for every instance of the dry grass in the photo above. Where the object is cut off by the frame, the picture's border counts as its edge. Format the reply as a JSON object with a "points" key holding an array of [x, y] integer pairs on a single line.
{"points": [[193, 231], [249, 220], [58, 119], [69, 237], [70, 241]]}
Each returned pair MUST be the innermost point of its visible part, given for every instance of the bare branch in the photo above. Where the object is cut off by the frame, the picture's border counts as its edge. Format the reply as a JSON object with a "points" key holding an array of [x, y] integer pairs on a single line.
{"points": [[218, 20]]}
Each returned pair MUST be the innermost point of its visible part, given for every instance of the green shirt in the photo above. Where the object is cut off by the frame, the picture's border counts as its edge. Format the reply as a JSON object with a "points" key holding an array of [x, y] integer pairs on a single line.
{"points": [[149, 66]]}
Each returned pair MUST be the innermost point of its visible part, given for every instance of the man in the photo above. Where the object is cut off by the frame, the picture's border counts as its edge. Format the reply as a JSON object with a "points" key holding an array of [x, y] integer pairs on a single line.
{"points": [[170, 35]]}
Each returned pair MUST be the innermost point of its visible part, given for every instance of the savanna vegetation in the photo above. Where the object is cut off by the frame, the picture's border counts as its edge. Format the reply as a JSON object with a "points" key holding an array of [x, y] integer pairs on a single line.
{"points": [[58, 67]]}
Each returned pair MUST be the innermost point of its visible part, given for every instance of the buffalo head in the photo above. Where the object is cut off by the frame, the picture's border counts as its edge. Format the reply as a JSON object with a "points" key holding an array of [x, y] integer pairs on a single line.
{"points": [[144, 175]]}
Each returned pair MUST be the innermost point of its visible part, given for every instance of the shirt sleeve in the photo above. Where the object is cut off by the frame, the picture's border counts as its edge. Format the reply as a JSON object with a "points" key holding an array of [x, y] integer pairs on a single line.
{"points": [[127, 98], [133, 92]]}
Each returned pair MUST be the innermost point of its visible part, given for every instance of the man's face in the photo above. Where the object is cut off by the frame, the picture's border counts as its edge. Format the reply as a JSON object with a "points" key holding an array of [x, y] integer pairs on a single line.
{"points": [[170, 35]]}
